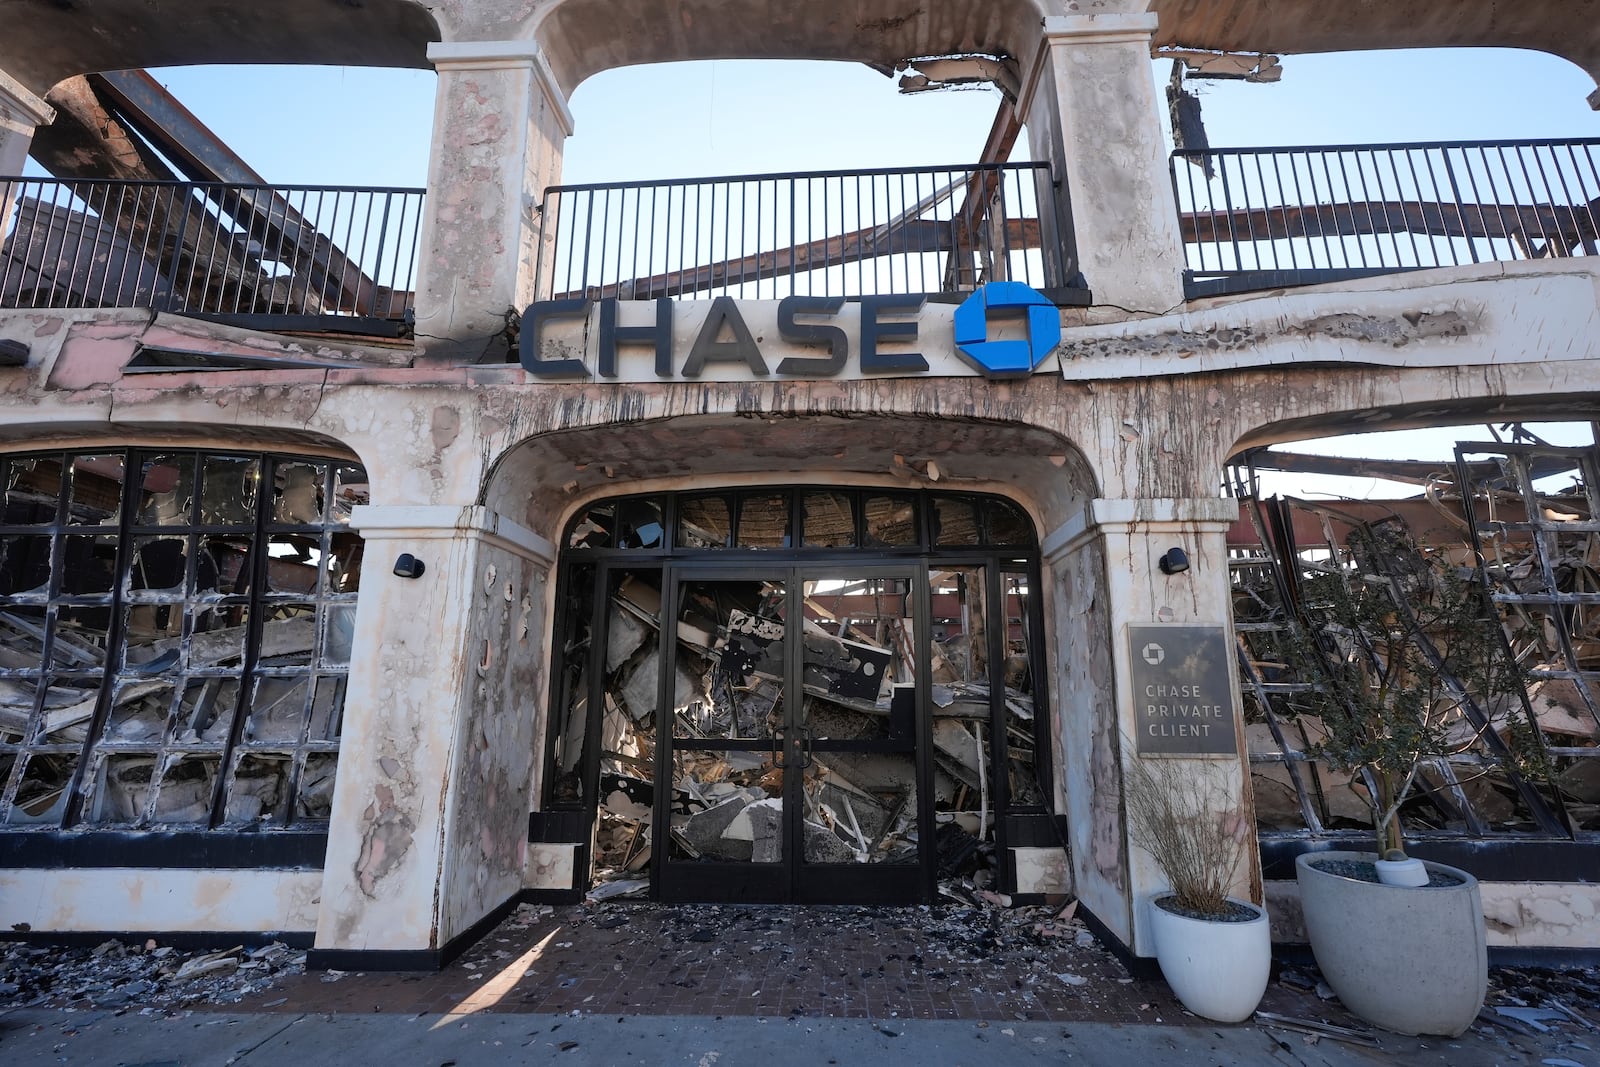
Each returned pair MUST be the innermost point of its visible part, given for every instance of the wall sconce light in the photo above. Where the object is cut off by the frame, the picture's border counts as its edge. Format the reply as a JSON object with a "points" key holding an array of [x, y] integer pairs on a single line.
{"points": [[1174, 561], [409, 566]]}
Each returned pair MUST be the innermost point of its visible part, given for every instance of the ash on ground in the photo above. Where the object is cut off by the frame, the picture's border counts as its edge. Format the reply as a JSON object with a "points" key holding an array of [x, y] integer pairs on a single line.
{"points": [[143, 976]]}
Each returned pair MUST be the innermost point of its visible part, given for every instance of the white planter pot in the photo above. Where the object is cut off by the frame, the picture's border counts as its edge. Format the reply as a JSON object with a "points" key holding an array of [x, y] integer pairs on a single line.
{"points": [[1409, 959], [1217, 969]]}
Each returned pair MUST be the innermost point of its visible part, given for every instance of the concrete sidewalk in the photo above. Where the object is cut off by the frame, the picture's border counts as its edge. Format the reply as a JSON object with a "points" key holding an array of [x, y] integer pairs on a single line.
{"points": [[31, 1035]]}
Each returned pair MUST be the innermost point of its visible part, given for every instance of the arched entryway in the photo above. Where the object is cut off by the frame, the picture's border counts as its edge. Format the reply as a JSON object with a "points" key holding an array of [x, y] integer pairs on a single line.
{"points": [[812, 693]]}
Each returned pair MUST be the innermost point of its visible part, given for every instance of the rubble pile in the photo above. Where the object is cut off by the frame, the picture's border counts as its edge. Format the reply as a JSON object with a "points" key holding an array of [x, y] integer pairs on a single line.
{"points": [[147, 976]]}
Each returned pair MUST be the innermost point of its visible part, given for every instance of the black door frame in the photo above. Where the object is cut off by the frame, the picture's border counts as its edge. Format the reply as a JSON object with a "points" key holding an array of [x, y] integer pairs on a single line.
{"points": [[792, 879]]}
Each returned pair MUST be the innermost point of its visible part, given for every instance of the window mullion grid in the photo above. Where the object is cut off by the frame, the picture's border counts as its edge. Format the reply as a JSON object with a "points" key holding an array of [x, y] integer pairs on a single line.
{"points": [[22, 749]]}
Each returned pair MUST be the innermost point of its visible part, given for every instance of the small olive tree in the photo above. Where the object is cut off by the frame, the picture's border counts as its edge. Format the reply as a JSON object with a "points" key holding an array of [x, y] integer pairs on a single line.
{"points": [[1397, 642]]}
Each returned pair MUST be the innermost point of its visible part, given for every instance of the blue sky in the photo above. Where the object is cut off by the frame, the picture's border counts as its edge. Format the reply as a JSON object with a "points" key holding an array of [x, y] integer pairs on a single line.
{"points": [[696, 119]]}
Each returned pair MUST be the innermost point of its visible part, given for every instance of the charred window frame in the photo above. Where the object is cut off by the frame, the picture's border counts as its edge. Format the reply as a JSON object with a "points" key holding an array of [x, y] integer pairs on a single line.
{"points": [[802, 523], [174, 640], [1502, 817]]}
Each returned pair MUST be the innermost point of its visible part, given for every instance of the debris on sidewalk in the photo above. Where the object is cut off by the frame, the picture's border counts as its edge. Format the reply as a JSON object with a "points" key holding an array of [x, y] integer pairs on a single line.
{"points": [[146, 976]]}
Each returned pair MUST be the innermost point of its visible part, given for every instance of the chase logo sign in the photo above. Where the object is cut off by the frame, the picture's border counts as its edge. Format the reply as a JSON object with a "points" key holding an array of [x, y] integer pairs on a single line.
{"points": [[797, 337], [1006, 359]]}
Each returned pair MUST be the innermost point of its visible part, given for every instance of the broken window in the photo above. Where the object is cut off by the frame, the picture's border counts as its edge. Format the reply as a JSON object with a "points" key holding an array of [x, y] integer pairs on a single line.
{"points": [[175, 631], [778, 702], [1527, 511]]}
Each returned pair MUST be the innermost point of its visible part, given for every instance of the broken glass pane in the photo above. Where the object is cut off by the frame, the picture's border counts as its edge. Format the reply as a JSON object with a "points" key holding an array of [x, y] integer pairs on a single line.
{"points": [[349, 489], [764, 520], [639, 524], [69, 704], [88, 565], [889, 521], [167, 498], [33, 488], [217, 637], [118, 790], [861, 807], [228, 490], [595, 529], [1016, 677], [223, 565], [185, 791], [278, 710], [703, 522], [955, 521], [293, 563], [726, 806], [339, 630], [1008, 524], [960, 617], [22, 630], [42, 793], [316, 786], [25, 567], [157, 570], [287, 639], [730, 654], [95, 490], [8, 763], [205, 710], [80, 635], [632, 672], [327, 708], [570, 691], [140, 709], [344, 565], [297, 492], [259, 788], [830, 520]]}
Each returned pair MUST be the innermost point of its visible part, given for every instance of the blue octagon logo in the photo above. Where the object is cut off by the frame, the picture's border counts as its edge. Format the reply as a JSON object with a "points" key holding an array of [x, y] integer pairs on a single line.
{"points": [[1006, 359]]}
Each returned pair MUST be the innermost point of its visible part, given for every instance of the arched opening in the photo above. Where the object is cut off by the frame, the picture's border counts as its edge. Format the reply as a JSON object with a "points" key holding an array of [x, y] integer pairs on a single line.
{"points": [[1501, 512], [176, 628], [807, 693]]}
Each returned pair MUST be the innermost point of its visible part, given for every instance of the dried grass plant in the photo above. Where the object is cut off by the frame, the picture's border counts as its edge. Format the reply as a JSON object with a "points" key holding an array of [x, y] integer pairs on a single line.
{"points": [[1187, 823]]}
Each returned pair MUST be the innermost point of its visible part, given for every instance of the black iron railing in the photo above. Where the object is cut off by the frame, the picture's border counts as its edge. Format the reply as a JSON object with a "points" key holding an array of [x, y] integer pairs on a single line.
{"points": [[833, 233], [1263, 217], [344, 257]]}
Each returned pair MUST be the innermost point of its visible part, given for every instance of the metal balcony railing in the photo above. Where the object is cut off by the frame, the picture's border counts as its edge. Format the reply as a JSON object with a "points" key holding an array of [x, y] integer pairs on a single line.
{"points": [[284, 256], [833, 233], [1258, 218]]}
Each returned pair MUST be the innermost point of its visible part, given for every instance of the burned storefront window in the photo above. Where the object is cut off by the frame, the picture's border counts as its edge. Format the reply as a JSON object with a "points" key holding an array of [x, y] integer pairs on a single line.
{"points": [[175, 632], [850, 703], [1511, 527]]}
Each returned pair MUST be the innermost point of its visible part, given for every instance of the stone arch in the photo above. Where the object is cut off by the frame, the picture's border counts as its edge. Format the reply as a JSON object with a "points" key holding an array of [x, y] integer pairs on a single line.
{"points": [[541, 480], [56, 41], [584, 37]]}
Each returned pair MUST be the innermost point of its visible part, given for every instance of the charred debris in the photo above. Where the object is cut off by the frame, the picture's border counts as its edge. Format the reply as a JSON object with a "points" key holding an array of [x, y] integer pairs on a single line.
{"points": [[1518, 521]]}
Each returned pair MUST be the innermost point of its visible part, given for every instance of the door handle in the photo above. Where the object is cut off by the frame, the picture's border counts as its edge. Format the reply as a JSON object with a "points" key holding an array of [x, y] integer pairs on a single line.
{"points": [[778, 747], [805, 748]]}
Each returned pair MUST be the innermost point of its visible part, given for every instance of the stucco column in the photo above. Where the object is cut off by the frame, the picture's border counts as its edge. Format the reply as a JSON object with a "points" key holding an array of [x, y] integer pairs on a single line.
{"points": [[21, 113], [499, 125], [1090, 108], [430, 813], [1105, 576]]}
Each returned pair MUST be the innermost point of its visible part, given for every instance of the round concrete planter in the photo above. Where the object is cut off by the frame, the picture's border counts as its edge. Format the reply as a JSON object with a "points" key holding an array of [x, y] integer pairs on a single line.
{"points": [[1408, 959], [1217, 969]]}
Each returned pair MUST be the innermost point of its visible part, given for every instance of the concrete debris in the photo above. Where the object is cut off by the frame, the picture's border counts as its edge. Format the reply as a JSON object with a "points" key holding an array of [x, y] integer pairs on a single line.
{"points": [[121, 975]]}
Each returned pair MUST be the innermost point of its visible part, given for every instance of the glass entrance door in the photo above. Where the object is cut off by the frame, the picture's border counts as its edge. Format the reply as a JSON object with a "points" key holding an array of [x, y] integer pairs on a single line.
{"points": [[791, 746]]}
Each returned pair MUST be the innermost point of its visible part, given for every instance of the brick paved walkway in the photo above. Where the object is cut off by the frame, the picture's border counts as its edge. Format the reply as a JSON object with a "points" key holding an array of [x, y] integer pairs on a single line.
{"points": [[861, 962]]}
